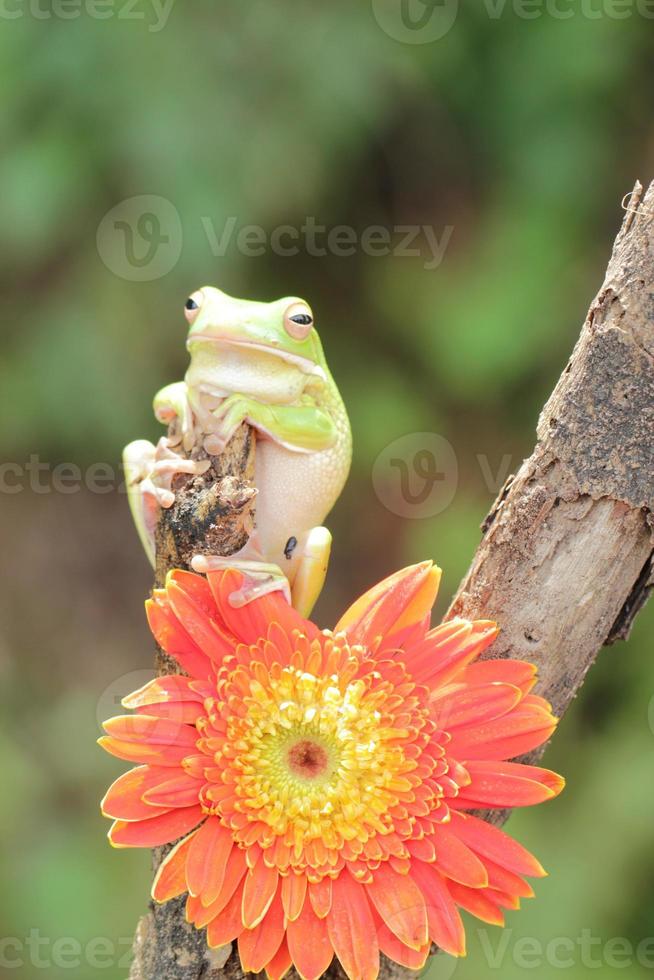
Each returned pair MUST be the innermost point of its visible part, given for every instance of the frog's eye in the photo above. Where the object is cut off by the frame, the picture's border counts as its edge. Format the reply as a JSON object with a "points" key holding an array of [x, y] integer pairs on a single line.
{"points": [[298, 321], [192, 305]]}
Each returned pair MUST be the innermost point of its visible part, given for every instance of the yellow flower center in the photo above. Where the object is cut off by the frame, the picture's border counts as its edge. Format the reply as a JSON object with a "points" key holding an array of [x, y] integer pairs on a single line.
{"points": [[314, 758]]}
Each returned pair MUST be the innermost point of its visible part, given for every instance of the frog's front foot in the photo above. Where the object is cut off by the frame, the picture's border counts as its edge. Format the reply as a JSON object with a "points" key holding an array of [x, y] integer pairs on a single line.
{"points": [[167, 463], [172, 407], [149, 472], [227, 417], [259, 577]]}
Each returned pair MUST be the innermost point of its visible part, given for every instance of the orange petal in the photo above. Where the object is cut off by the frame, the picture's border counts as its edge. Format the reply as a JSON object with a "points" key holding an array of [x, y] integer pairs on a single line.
{"points": [[508, 784], [144, 752], [181, 790], [204, 689], [171, 688], [207, 859], [257, 947], [440, 648], [418, 608], [526, 727], [390, 945], [170, 879], [445, 925], [401, 905], [455, 859], [193, 907], [308, 944], [234, 874], [294, 890], [505, 881], [181, 712], [422, 848], [197, 589], [228, 925], [474, 705], [492, 843], [250, 622], [148, 728], [259, 891], [511, 902], [158, 830], [173, 638], [124, 798], [404, 639], [280, 964], [395, 603], [188, 606], [517, 672], [449, 649], [351, 929], [476, 902], [320, 895]]}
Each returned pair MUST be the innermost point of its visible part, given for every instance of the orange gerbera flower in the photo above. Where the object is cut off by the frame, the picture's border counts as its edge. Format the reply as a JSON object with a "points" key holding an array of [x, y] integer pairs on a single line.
{"points": [[319, 780]]}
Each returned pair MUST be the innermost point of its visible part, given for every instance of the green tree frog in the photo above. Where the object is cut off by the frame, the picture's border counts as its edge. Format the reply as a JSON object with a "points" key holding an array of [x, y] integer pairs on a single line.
{"points": [[260, 363]]}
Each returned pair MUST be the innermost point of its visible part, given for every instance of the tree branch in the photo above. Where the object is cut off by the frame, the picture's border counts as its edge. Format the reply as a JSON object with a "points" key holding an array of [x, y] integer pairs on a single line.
{"points": [[565, 562], [566, 559]]}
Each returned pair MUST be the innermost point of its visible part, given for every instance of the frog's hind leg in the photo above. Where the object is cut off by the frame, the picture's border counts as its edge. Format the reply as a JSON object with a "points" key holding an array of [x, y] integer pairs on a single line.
{"points": [[312, 569], [261, 577]]}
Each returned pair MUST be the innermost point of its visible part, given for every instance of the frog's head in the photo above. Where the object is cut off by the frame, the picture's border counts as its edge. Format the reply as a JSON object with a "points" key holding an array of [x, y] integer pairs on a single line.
{"points": [[265, 350]]}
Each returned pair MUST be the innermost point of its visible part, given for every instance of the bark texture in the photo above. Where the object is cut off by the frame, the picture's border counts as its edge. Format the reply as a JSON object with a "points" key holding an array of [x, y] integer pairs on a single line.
{"points": [[567, 555]]}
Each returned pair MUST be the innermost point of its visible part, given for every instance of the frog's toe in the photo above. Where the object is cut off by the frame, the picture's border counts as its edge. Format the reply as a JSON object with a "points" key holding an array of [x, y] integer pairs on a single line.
{"points": [[310, 576], [254, 586], [258, 578], [214, 444], [163, 497], [168, 462]]}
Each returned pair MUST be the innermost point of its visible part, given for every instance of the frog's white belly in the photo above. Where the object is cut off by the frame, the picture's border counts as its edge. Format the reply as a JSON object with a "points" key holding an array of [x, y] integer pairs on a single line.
{"points": [[296, 492]]}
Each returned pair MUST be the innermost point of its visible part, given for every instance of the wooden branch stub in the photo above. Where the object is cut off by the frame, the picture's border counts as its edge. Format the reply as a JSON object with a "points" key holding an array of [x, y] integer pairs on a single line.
{"points": [[212, 514]]}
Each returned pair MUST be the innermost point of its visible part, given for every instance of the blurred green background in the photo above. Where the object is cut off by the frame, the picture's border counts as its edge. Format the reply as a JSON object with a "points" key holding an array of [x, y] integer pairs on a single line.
{"points": [[520, 134]]}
